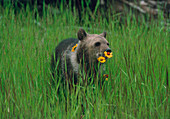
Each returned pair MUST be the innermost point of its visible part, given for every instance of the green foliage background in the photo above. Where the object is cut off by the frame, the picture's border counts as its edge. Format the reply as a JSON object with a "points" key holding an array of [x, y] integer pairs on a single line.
{"points": [[138, 85]]}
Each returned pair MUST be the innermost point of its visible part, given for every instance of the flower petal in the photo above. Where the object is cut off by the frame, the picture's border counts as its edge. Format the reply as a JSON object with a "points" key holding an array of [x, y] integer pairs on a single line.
{"points": [[108, 54], [101, 59]]}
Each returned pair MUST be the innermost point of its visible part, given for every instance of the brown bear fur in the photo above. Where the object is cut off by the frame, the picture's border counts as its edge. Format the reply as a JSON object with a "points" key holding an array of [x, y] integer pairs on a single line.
{"points": [[90, 47]]}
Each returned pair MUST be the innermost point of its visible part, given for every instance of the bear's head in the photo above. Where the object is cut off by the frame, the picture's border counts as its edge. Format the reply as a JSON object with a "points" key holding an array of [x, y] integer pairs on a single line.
{"points": [[91, 46]]}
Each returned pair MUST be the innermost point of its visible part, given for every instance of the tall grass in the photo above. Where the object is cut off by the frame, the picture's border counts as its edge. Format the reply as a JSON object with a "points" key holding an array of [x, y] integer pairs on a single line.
{"points": [[138, 85]]}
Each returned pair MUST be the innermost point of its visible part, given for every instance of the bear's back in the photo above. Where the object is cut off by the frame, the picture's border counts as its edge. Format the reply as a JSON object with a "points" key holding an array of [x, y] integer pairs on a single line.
{"points": [[61, 47]]}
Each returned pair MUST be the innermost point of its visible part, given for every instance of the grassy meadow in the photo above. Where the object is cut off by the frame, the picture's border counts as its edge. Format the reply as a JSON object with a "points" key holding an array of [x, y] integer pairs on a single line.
{"points": [[138, 84]]}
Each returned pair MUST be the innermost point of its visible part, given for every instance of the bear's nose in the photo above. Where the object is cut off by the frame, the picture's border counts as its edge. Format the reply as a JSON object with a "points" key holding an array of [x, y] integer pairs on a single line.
{"points": [[108, 50]]}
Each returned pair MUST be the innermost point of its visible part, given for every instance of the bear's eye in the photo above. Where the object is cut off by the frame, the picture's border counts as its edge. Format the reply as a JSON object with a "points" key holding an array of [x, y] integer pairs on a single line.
{"points": [[108, 44], [97, 44]]}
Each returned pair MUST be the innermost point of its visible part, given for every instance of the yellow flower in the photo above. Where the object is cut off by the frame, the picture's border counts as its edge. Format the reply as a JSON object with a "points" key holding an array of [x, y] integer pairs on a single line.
{"points": [[106, 76], [73, 48], [101, 59], [108, 54]]}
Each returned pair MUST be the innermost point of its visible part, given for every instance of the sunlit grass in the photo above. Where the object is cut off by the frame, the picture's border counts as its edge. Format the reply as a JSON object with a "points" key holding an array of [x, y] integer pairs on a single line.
{"points": [[137, 86]]}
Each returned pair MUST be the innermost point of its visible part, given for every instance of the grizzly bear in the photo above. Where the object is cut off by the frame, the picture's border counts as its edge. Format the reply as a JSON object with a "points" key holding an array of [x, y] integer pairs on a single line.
{"points": [[72, 56]]}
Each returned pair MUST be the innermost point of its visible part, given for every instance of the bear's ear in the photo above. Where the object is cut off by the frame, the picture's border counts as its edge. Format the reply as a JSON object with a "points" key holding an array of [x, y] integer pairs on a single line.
{"points": [[103, 34], [81, 34]]}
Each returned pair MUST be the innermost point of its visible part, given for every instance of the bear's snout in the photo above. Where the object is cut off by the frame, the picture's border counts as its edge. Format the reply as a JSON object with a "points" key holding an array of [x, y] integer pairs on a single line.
{"points": [[108, 50]]}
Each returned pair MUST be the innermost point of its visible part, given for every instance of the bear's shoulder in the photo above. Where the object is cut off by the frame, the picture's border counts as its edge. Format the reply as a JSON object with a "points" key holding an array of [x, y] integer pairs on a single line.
{"points": [[63, 45]]}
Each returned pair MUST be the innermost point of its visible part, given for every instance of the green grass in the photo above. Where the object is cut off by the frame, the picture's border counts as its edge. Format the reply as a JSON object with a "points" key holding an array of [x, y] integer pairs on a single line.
{"points": [[138, 71]]}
